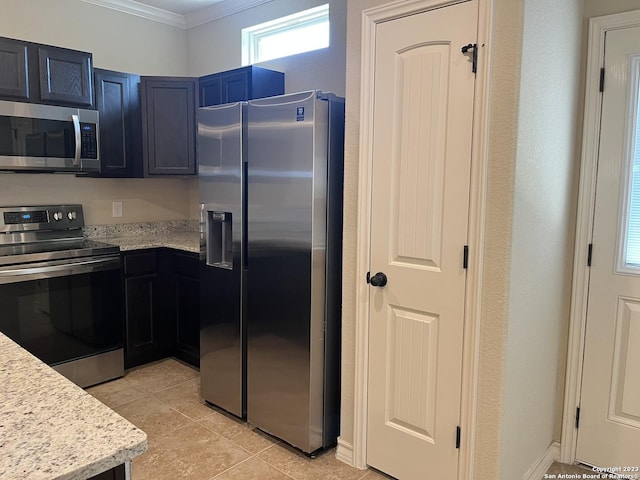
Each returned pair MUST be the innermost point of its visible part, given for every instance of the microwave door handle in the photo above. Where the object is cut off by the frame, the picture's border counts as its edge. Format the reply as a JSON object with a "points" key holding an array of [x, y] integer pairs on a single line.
{"points": [[76, 129]]}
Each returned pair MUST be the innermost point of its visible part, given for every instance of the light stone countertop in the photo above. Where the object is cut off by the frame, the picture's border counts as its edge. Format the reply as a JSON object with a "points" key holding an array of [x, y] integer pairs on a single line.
{"points": [[181, 235], [185, 241], [52, 429]]}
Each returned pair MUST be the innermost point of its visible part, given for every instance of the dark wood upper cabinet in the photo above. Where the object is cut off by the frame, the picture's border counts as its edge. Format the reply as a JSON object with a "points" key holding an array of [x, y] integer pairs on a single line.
{"points": [[169, 125], [240, 84], [210, 88], [36, 73], [65, 76], [118, 101], [13, 69]]}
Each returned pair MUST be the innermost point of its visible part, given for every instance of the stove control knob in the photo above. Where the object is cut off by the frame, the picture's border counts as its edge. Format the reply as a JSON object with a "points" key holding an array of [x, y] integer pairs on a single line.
{"points": [[57, 216], [71, 215]]}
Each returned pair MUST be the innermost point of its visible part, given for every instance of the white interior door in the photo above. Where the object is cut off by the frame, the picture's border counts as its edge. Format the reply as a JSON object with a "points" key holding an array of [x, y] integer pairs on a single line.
{"points": [[421, 147], [609, 430]]}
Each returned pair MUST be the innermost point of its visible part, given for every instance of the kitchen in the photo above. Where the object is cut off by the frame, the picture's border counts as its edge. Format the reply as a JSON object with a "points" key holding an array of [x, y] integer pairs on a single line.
{"points": [[131, 44], [144, 204]]}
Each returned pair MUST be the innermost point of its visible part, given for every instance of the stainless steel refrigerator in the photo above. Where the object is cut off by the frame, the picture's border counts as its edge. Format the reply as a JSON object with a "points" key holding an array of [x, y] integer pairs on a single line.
{"points": [[270, 173]]}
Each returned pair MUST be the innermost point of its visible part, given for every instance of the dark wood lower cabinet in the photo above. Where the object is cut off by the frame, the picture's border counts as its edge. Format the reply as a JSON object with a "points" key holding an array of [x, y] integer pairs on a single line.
{"points": [[146, 331], [117, 473], [162, 306], [185, 284]]}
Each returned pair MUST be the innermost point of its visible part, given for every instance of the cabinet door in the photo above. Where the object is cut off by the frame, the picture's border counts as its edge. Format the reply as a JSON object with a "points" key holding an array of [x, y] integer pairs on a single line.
{"points": [[13, 69], [65, 76], [116, 473], [141, 327], [187, 299], [168, 125], [118, 101], [210, 90], [236, 86], [146, 332], [186, 293], [239, 85]]}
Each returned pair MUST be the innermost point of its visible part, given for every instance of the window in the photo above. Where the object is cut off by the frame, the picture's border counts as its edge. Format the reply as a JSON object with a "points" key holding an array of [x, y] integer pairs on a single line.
{"points": [[301, 32], [631, 227]]}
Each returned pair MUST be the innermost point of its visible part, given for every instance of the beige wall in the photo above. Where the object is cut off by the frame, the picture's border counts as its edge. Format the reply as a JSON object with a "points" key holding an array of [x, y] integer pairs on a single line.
{"points": [[217, 46], [503, 116], [530, 153], [349, 247], [120, 42], [142, 199], [597, 8], [542, 231], [502, 148]]}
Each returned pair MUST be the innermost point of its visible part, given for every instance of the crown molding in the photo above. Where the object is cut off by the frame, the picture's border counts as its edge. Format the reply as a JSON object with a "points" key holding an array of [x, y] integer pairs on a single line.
{"points": [[192, 19], [140, 10], [220, 10]]}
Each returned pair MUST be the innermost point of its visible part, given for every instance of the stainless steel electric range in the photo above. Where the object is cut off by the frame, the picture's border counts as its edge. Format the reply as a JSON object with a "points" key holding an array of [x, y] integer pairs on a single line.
{"points": [[60, 294]]}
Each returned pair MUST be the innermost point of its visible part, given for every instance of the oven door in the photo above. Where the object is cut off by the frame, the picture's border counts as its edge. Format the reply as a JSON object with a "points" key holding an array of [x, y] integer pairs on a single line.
{"points": [[64, 310]]}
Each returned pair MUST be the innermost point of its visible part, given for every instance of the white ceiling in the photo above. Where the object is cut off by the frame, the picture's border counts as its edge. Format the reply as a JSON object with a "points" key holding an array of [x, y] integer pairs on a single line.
{"points": [[179, 13]]}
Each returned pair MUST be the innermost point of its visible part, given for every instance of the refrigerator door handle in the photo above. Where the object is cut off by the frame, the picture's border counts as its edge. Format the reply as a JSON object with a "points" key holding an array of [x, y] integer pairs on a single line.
{"points": [[245, 216]]}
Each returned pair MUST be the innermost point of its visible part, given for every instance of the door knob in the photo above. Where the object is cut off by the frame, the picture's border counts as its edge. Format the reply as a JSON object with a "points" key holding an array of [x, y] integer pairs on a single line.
{"points": [[378, 280]]}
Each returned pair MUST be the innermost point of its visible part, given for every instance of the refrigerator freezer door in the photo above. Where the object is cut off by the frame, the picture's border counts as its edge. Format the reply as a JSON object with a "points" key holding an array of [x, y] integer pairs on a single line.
{"points": [[286, 186], [222, 335]]}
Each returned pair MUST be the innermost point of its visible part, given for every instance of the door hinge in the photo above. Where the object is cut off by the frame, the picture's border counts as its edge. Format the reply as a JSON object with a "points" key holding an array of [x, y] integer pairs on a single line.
{"points": [[589, 254], [474, 58], [458, 435], [577, 417], [465, 257], [602, 79], [368, 277]]}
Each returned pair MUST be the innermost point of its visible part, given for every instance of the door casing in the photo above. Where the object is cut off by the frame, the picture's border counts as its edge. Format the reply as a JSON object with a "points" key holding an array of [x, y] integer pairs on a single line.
{"points": [[355, 453], [598, 26]]}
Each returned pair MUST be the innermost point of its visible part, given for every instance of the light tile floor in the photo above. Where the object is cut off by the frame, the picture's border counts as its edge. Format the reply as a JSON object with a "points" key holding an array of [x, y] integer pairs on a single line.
{"points": [[189, 440], [562, 468]]}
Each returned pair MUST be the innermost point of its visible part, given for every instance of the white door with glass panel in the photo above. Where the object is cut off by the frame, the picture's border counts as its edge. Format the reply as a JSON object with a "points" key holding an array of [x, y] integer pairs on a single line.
{"points": [[609, 429]]}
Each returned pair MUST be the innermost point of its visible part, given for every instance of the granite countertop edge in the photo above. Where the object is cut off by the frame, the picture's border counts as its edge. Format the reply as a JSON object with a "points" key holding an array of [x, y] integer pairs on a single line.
{"points": [[52, 429], [179, 235]]}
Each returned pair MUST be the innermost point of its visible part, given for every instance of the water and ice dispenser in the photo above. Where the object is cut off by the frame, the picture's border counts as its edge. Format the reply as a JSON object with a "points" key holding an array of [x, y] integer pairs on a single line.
{"points": [[219, 240]]}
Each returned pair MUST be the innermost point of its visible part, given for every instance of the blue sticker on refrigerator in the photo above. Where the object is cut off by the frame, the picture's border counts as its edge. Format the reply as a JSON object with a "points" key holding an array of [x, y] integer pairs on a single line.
{"points": [[299, 114]]}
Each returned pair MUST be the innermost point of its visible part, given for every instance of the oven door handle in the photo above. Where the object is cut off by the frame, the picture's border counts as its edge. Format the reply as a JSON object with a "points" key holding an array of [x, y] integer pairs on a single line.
{"points": [[26, 273]]}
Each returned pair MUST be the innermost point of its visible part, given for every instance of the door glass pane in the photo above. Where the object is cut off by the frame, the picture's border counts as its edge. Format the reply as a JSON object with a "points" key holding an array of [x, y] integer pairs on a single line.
{"points": [[632, 250]]}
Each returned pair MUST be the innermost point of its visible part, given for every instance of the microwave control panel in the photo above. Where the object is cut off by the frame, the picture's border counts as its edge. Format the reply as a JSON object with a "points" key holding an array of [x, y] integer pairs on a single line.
{"points": [[89, 140]]}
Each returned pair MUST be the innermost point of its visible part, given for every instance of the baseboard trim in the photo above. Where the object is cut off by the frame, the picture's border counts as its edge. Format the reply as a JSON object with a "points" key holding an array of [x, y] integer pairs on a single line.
{"points": [[344, 452], [540, 467]]}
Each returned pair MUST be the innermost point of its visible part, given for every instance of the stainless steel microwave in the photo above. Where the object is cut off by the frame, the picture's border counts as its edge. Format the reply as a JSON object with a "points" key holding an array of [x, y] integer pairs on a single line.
{"points": [[46, 138]]}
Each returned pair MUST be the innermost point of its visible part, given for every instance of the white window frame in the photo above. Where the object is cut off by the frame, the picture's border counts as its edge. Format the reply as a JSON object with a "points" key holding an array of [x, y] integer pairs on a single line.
{"points": [[251, 36]]}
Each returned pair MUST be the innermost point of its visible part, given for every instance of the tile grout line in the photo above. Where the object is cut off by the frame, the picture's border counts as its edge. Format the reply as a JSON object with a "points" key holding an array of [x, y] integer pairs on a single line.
{"points": [[232, 467], [174, 386], [192, 422], [253, 455]]}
